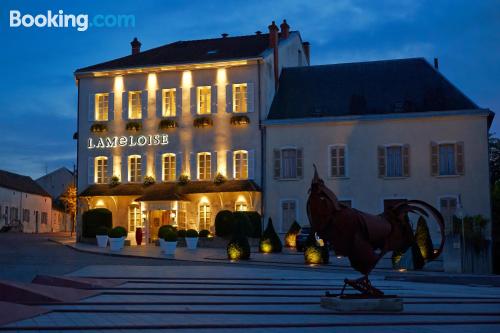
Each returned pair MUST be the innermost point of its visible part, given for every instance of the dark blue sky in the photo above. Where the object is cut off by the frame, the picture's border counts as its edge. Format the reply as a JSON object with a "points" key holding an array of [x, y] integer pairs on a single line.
{"points": [[38, 91]]}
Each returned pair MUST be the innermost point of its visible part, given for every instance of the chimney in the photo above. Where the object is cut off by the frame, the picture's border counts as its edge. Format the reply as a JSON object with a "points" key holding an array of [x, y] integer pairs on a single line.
{"points": [[307, 51], [136, 46], [224, 35], [285, 30], [436, 63], [273, 43], [258, 32]]}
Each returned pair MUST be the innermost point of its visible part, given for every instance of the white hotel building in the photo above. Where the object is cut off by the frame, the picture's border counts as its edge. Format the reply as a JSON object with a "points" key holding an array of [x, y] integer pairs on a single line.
{"points": [[251, 109]]}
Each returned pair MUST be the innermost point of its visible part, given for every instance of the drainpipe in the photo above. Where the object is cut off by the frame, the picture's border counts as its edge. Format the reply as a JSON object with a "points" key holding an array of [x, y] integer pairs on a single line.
{"points": [[262, 152], [74, 223]]}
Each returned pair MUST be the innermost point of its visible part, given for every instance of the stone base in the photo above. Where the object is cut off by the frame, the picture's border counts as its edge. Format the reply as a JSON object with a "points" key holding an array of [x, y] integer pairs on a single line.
{"points": [[358, 304]]}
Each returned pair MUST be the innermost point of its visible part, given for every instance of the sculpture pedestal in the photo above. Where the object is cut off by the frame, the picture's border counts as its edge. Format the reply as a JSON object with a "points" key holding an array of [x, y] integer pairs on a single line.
{"points": [[359, 303]]}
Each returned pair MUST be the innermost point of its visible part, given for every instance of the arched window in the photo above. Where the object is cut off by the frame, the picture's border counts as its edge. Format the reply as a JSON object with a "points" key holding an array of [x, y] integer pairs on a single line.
{"points": [[134, 218], [168, 163], [240, 164], [134, 168], [204, 216], [101, 170]]}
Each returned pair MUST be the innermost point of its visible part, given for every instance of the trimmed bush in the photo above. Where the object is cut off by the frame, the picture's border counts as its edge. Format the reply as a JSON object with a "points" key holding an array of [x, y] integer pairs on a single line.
{"points": [[181, 233], [256, 222], [102, 231], [270, 241], [164, 229], [291, 235], [95, 218], [170, 236], [117, 232], [423, 239], [316, 255], [204, 233], [224, 223], [242, 220], [191, 233], [238, 247]]}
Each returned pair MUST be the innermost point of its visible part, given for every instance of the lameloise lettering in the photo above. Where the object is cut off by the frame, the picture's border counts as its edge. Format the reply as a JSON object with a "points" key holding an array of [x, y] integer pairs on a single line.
{"points": [[130, 141]]}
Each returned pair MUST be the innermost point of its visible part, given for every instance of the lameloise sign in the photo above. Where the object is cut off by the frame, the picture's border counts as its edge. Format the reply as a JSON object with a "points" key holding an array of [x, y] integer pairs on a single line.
{"points": [[128, 141]]}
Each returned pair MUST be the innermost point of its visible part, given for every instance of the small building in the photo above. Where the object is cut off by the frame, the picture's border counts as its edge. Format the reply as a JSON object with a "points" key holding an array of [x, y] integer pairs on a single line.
{"points": [[24, 205], [56, 183]]}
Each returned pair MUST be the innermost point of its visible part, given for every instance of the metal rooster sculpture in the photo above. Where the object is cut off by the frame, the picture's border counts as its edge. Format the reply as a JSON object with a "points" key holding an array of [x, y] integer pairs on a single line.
{"points": [[365, 238]]}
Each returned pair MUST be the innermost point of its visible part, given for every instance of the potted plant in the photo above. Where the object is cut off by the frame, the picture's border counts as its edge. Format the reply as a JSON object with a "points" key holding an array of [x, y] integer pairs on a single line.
{"points": [[170, 242], [117, 237], [191, 239], [204, 233], [162, 233], [102, 236]]}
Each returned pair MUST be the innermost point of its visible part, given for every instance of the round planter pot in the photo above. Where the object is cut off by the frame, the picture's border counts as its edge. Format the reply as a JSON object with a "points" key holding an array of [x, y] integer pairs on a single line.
{"points": [[170, 248], [102, 240], [123, 242], [116, 244], [162, 245], [191, 242]]}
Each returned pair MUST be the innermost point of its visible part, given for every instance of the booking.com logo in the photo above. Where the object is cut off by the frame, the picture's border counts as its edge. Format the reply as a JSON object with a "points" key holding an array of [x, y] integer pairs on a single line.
{"points": [[61, 20]]}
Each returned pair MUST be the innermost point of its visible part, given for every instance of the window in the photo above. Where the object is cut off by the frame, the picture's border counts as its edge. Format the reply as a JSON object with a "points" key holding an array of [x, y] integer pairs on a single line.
{"points": [[448, 207], [288, 214], [44, 219], [101, 170], [287, 163], [134, 218], [134, 105], [240, 164], [240, 206], [26, 215], [101, 107], [204, 214], [13, 214], [204, 100], [240, 98], [447, 159], [204, 166], [181, 220], [134, 169], [168, 167], [168, 103], [394, 162], [337, 161]]}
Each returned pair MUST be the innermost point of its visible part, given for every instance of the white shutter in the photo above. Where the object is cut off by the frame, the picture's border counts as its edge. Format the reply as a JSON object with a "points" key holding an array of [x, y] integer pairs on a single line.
{"points": [[178, 164], [213, 99], [144, 104], [229, 98], [229, 164], [193, 98], [251, 164], [111, 106], [250, 97], [178, 101], [125, 105], [90, 171], [159, 167], [124, 168], [159, 103], [192, 165], [213, 163], [91, 114]]}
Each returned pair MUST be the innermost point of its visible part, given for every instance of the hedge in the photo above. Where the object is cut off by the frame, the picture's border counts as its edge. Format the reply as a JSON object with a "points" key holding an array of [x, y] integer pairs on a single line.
{"points": [[204, 233], [238, 247], [94, 219], [224, 223], [270, 241]]}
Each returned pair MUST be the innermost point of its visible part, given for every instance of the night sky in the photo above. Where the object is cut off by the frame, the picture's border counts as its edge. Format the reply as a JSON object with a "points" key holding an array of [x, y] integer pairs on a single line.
{"points": [[38, 95]]}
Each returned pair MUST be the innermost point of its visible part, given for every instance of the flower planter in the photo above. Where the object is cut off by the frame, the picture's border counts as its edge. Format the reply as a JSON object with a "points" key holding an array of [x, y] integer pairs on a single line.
{"points": [[116, 244], [102, 240], [162, 244], [192, 243], [170, 247]]}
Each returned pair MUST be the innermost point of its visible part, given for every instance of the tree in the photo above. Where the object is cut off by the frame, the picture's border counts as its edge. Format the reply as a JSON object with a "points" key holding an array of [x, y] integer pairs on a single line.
{"points": [[494, 155], [69, 198]]}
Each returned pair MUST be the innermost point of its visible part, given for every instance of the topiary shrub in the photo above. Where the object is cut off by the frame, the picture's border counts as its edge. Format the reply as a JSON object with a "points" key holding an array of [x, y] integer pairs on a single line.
{"points": [[117, 232], [242, 219], [291, 235], [181, 233], [224, 224], [162, 231], [170, 236], [204, 233], [423, 239], [270, 241], [316, 255], [191, 233], [256, 222], [95, 218], [238, 247], [102, 231]]}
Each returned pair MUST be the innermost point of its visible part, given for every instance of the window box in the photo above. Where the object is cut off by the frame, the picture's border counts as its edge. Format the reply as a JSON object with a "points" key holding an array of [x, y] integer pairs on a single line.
{"points": [[133, 126], [167, 123], [240, 120], [203, 122], [98, 128]]}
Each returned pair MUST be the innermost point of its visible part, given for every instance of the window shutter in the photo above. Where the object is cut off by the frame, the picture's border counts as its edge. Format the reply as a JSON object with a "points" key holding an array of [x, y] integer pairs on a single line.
{"points": [[110, 166], [434, 159], [91, 178], [333, 158], [111, 106], [276, 164], [342, 172], [192, 165], [194, 101], [178, 101], [406, 160], [459, 148], [300, 162], [251, 164], [144, 104], [91, 115], [125, 105], [144, 162], [213, 99], [159, 103], [229, 98], [159, 167], [213, 163], [250, 97], [229, 164], [178, 165], [381, 161], [124, 169]]}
